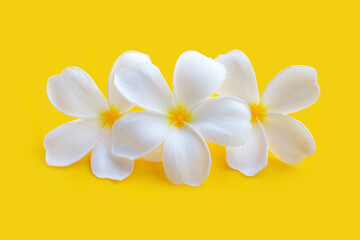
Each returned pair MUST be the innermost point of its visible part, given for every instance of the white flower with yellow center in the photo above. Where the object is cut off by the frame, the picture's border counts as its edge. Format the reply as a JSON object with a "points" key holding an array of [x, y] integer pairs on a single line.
{"points": [[74, 93], [291, 90], [181, 120]]}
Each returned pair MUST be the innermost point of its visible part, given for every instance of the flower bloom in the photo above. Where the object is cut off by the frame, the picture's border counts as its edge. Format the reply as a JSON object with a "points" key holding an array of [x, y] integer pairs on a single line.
{"points": [[291, 90], [74, 93], [181, 120]]}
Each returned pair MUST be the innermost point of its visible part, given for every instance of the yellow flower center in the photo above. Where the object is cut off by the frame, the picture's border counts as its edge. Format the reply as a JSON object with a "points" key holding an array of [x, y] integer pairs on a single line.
{"points": [[257, 112], [178, 116], [111, 115]]}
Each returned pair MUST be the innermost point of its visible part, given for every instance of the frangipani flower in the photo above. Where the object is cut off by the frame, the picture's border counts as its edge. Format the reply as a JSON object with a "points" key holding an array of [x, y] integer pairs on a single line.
{"points": [[291, 90], [74, 93], [182, 120]]}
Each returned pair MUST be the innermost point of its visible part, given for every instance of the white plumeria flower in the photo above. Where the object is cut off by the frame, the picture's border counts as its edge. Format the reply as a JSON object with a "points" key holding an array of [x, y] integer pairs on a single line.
{"points": [[74, 93], [291, 90], [181, 120]]}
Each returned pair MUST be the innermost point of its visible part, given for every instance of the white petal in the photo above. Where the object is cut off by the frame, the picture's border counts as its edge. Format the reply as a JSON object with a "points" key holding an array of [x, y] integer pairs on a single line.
{"points": [[70, 142], [291, 90], [104, 164], [74, 93], [288, 138], [240, 77], [251, 157], [126, 60], [196, 77], [139, 133], [156, 155], [186, 156], [144, 86], [223, 120]]}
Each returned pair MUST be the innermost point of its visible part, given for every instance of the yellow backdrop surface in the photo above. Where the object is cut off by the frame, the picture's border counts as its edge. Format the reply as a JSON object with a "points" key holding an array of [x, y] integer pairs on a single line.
{"points": [[316, 199]]}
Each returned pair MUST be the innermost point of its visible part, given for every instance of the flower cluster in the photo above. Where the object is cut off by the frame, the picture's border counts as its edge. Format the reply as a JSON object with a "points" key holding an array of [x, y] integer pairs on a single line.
{"points": [[176, 126]]}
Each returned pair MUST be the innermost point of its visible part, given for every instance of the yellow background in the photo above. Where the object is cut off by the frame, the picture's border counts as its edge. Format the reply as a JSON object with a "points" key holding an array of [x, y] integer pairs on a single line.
{"points": [[316, 199]]}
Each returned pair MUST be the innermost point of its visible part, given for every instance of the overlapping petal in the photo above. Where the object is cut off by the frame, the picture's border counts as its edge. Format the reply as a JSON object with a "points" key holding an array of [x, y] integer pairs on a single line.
{"points": [[186, 156], [139, 133], [74, 93], [70, 142], [291, 90], [240, 77], [288, 138], [104, 164], [156, 155], [196, 77], [251, 157], [126, 60], [223, 120], [144, 86]]}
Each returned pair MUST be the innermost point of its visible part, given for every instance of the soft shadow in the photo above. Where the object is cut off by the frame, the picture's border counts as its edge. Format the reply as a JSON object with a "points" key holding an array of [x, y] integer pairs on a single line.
{"points": [[218, 156], [277, 167], [146, 169], [39, 152], [274, 166], [83, 162], [143, 169]]}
